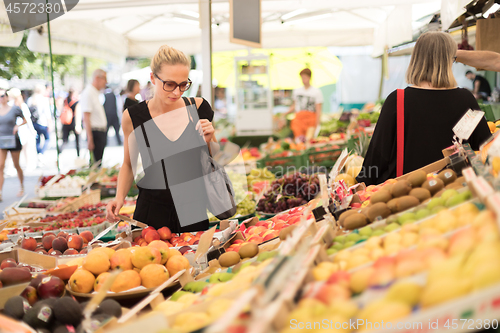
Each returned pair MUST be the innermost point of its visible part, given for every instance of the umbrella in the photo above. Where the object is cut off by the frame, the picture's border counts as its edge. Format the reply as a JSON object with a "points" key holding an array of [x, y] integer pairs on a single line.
{"points": [[285, 65]]}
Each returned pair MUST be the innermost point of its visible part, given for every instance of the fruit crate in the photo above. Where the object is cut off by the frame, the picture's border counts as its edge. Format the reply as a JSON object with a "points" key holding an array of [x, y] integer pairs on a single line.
{"points": [[324, 156], [89, 198], [277, 164]]}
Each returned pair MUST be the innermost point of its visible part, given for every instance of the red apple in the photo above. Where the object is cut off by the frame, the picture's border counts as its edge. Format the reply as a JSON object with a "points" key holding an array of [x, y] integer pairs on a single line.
{"points": [[29, 244], [51, 287], [36, 279], [30, 295], [331, 292], [341, 278], [47, 241], [165, 233], [184, 249], [60, 244], [48, 234], [151, 235], [143, 233], [41, 251]]}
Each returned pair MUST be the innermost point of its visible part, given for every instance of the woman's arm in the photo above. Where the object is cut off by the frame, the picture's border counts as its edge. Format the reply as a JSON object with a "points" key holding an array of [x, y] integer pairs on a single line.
{"points": [[487, 60], [125, 176]]}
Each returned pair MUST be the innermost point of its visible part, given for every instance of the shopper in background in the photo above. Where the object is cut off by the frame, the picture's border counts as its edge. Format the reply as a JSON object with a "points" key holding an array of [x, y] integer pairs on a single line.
{"points": [[71, 120], [27, 134], [432, 106], [133, 88], [147, 91], [176, 132], [307, 103], [111, 109], [94, 116], [486, 60], [482, 89], [9, 138], [41, 116]]}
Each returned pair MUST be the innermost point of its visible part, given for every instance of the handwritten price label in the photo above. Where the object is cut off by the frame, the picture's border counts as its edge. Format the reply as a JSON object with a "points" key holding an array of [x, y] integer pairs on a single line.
{"points": [[465, 126]]}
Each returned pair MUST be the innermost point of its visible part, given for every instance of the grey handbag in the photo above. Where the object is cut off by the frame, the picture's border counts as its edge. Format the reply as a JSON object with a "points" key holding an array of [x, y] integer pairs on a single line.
{"points": [[220, 193], [7, 141]]}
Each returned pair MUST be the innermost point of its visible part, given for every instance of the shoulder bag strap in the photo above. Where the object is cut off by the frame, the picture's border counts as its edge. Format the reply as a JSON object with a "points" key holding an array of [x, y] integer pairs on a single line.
{"points": [[400, 132]]}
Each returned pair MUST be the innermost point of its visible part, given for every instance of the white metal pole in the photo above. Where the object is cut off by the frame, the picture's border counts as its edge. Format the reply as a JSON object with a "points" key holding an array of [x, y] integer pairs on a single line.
{"points": [[206, 48]]}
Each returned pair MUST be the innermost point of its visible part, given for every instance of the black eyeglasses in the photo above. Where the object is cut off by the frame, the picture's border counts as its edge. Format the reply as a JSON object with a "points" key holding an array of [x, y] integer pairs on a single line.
{"points": [[454, 59], [170, 86]]}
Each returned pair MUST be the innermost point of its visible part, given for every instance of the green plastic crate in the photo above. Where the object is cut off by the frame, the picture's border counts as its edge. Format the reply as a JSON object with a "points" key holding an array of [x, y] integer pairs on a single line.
{"points": [[324, 157], [280, 164], [491, 112]]}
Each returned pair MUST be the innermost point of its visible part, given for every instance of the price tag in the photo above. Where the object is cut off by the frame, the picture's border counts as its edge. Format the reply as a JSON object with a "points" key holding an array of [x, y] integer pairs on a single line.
{"points": [[465, 126], [319, 234], [338, 166], [468, 174]]}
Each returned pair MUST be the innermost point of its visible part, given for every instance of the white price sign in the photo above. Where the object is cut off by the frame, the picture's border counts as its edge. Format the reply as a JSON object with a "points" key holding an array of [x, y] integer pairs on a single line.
{"points": [[465, 126]]}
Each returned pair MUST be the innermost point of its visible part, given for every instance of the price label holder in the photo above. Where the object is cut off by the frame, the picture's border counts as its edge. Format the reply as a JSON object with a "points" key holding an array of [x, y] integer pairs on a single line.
{"points": [[482, 189], [338, 166], [493, 203], [469, 175], [467, 124]]}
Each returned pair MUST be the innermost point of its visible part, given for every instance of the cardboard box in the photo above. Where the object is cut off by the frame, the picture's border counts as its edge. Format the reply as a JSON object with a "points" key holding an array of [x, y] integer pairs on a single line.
{"points": [[433, 167], [31, 258]]}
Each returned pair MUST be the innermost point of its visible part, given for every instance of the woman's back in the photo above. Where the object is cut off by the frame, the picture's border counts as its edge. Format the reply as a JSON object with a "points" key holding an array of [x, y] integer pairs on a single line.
{"points": [[430, 115]]}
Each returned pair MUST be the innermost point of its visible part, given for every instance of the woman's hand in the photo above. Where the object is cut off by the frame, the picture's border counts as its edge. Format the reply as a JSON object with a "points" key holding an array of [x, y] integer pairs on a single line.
{"points": [[113, 209], [16, 128], [206, 129]]}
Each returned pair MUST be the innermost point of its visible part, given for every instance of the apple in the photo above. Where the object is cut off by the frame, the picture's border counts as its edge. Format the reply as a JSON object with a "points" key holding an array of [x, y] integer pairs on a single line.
{"points": [[30, 294], [60, 244], [63, 234], [55, 253], [341, 278], [51, 287], [165, 233], [87, 236], [151, 235], [75, 242], [36, 279], [70, 251], [143, 233], [184, 249]]}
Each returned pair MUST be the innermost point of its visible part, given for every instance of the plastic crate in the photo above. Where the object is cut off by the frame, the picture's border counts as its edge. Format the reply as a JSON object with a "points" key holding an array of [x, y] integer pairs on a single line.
{"points": [[326, 156], [490, 113], [280, 164]]}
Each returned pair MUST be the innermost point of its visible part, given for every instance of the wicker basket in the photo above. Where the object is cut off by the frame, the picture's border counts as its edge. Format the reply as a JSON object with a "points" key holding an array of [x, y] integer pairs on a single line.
{"points": [[91, 198]]}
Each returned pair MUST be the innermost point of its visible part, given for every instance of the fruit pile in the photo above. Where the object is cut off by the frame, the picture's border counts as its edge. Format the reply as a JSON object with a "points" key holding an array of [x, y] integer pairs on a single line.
{"points": [[165, 236], [147, 266], [56, 313], [60, 244], [288, 192], [12, 272], [449, 198], [257, 179], [399, 196]]}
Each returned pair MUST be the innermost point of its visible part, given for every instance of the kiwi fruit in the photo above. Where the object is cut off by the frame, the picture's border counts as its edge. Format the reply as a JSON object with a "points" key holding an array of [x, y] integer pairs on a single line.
{"points": [[417, 178], [229, 259], [378, 209], [345, 215], [355, 221], [387, 187], [248, 250], [433, 185], [392, 205], [380, 196], [448, 176], [401, 188], [460, 180], [406, 202], [421, 194], [438, 194], [285, 232]]}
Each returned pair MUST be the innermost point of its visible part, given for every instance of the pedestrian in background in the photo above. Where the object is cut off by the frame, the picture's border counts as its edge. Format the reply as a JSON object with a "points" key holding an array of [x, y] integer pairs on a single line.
{"points": [[41, 118], [111, 109], [94, 116], [133, 88], [9, 139], [71, 121], [27, 134]]}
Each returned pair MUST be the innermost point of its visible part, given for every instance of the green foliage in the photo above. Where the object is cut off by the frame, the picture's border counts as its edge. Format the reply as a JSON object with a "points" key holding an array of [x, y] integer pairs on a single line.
{"points": [[25, 64], [331, 126]]}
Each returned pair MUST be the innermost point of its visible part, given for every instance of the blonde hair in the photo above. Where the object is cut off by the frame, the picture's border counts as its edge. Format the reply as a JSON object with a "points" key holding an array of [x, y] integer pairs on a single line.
{"points": [[431, 60], [169, 56]]}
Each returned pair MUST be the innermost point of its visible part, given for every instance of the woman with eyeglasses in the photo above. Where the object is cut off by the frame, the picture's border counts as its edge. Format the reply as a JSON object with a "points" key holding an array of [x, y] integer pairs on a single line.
{"points": [[167, 132], [9, 138]]}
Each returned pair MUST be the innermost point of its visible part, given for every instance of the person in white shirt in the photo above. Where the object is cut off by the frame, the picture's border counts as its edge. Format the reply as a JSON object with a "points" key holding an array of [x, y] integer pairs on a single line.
{"points": [[41, 116], [307, 102], [94, 116]]}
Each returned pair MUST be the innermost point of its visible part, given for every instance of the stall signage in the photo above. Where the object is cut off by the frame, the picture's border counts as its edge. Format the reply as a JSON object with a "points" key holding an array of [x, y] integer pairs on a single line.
{"points": [[465, 126]]}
